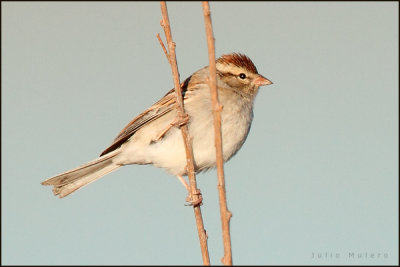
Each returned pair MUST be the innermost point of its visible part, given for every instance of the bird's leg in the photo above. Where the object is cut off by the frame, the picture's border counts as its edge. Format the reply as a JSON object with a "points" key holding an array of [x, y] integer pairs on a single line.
{"points": [[178, 122], [182, 180], [189, 198]]}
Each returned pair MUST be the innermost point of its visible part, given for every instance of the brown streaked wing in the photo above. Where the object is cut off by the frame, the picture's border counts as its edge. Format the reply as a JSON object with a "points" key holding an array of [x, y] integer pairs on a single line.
{"points": [[163, 106]]}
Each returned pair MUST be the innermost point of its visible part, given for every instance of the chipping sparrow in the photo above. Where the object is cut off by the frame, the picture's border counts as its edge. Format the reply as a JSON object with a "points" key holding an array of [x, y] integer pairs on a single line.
{"points": [[150, 138]]}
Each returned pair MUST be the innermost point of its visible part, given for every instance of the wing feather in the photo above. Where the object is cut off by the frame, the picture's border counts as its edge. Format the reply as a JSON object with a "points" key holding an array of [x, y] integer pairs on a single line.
{"points": [[162, 107]]}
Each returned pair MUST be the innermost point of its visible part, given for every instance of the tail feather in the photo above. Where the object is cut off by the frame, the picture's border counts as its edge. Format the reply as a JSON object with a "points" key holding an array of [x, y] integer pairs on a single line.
{"points": [[70, 181]]}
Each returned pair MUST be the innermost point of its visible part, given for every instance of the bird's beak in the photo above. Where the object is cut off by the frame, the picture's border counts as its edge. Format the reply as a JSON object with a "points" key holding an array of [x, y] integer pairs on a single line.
{"points": [[261, 81]]}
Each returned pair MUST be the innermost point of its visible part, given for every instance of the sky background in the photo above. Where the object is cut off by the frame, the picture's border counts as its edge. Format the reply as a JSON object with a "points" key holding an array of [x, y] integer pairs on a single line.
{"points": [[317, 174]]}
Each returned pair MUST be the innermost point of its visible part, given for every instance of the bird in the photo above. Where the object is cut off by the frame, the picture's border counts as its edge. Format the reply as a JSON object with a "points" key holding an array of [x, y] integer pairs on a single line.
{"points": [[154, 137]]}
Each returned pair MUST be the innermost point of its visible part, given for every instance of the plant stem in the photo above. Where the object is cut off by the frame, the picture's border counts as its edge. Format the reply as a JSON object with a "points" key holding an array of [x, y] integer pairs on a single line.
{"points": [[194, 191], [217, 108]]}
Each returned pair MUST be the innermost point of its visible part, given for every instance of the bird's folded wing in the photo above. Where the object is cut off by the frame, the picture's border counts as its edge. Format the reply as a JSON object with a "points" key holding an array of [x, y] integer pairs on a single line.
{"points": [[162, 107]]}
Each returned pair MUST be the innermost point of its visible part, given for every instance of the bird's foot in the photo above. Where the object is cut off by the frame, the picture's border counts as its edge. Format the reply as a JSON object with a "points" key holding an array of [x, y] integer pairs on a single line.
{"points": [[194, 199], [178, 122]]}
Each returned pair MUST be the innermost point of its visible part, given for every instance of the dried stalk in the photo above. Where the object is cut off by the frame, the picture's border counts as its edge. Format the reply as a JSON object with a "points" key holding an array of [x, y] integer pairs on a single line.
{"points": [[217, 108], [195, 192]]}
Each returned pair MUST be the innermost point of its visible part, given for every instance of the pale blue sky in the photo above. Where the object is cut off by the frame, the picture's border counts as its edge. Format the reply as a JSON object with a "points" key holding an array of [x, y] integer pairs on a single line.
{"points": [[318, 172]]}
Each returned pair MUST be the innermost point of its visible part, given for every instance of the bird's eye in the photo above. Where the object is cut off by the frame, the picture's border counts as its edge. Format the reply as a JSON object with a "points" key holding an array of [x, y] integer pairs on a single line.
{"points": [[242, 76]]}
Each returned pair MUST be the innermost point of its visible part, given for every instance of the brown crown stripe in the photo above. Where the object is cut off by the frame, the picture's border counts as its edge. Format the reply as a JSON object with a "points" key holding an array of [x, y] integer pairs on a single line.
{"points": [[239, 60]]}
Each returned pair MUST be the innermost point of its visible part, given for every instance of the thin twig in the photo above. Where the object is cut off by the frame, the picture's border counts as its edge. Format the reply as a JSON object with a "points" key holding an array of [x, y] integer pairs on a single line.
{"points": [[162, 45], [217, 108], [195, 193]]}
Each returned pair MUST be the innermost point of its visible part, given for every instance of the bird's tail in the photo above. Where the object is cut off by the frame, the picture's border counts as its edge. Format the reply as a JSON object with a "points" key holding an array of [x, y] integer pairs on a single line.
{"points": [[70, 181]]}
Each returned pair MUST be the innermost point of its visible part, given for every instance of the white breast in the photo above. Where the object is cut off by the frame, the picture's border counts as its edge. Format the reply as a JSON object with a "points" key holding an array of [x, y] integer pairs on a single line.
{"points": [[236, 119]]}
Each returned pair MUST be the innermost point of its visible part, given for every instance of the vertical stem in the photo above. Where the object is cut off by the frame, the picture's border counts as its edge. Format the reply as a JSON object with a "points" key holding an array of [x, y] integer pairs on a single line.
{"points": [[186, 138], [217, 108]]}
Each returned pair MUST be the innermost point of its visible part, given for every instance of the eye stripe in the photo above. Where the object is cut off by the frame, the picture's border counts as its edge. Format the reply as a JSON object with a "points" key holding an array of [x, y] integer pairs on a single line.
{"points": [[227, 73]]}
